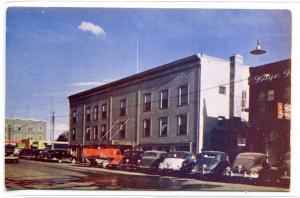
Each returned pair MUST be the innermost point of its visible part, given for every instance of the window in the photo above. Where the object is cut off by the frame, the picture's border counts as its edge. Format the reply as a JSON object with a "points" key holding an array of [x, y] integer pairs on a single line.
{"points": [[40, 128], [147, 127], [88, 114], [17, 127], [30, 127], [164, 99], [88, 133], [287, 94], [222, 90], [103, 131], [95, 132], [244, 96], [95, 115], [270, 95], [163, 126], [147, 102], [17, 136], [123, 107], [73, 134], [40, 137], [183, 95], [122, 131], [74, 116], [182, 124], [104, 111], [261, 96]]}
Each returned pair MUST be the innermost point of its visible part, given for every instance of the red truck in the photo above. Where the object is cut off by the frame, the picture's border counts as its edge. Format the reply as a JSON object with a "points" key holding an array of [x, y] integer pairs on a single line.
{"points": [[105, 157]]}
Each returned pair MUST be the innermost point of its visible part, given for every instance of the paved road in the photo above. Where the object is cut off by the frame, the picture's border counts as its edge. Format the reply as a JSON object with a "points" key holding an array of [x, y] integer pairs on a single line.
{"points": [[44, 175]]}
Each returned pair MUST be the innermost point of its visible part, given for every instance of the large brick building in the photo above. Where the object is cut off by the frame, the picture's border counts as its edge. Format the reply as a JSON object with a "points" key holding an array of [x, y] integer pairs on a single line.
{"points": [[270, 104], [170, 107]]}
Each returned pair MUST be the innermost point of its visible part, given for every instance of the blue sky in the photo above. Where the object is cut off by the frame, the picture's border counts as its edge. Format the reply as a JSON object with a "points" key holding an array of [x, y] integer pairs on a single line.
{"points": [[55, 52]]}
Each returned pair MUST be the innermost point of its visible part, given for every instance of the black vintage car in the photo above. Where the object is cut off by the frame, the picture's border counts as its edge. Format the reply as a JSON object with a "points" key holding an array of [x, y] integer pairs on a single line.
{"points": [[209, 164], [33, 154], [252, 167], [24, 153], [131, 159], [11, 154], [151, 160], [59, 156]]}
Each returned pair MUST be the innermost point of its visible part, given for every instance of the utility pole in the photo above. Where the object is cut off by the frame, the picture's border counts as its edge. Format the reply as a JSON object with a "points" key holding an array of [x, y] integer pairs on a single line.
{"points": [[137, 56], [52, 132], [9, 133]]}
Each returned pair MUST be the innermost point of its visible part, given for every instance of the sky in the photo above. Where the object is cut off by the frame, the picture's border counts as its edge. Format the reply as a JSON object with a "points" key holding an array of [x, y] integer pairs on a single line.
{"points": [[52, 53]]}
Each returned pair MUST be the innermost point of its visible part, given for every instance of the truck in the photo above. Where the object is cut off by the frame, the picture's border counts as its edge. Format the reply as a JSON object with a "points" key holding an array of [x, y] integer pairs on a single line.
{"points": [[104, 157]]}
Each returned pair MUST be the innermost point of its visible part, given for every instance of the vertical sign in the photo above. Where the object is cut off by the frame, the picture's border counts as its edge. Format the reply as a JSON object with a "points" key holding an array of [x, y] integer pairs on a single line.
{"points": [[280, 110]]}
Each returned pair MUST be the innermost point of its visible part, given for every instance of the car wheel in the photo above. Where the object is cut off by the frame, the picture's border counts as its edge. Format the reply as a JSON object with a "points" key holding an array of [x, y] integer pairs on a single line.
{"points": [[105, 164]]}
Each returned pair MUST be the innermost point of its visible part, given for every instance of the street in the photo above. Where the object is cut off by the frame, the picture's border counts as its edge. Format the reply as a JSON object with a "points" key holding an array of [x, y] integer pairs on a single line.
{"points": [[44, 175]]}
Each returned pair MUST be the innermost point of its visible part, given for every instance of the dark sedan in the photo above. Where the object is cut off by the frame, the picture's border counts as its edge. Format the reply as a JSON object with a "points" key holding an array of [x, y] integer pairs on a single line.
{"points": [[131, 159], [252, 167], [151, 160], [208, 164]]}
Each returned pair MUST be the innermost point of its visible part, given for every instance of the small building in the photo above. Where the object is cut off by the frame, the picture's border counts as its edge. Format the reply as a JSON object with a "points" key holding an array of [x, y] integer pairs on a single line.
{"points": [[17, 129], [171, 107], [270, 108]]}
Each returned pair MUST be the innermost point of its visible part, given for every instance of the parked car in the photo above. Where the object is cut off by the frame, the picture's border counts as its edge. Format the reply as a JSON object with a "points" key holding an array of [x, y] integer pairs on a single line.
{"points": [[24, 153], [105, 157], [58, 156], [11, 153], [252, 167], [151, 160], [174, 161], [209, 164], [284, 164], [33, 154], [131, 159]]}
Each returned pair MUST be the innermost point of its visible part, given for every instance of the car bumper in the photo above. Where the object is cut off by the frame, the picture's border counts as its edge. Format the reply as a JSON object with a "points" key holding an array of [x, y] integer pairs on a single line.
{"points": [[242, 175]]}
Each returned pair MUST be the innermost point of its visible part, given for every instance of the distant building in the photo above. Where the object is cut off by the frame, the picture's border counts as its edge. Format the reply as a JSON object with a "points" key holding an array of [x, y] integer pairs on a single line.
{"points": [[18, 129], [270, 108], [171, 107]]}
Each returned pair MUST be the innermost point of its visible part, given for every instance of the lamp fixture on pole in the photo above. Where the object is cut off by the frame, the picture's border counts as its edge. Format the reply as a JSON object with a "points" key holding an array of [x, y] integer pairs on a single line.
{"points": [[258, 50]]}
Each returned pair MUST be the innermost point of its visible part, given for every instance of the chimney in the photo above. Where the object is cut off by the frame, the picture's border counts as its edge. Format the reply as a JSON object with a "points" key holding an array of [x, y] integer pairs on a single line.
{"points": [[236, 59]]}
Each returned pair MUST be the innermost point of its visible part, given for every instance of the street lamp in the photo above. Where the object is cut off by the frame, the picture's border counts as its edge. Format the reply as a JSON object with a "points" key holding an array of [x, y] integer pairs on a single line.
{"points": [[258, 50]]}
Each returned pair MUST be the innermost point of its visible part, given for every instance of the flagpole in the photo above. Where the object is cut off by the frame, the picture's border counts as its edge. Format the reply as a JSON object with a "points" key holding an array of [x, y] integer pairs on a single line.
{"points": [[137, 56]]}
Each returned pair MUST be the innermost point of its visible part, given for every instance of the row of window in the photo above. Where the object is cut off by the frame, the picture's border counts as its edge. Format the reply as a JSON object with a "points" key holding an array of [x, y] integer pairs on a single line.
{"points": [[182, 125], [147, 104], [19, 127], [27, 136]]}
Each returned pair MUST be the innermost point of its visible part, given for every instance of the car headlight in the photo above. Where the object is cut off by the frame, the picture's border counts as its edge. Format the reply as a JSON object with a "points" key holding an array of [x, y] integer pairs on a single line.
{"points": [[160, 165], [139, 161], [127, 160], [204, 166]]}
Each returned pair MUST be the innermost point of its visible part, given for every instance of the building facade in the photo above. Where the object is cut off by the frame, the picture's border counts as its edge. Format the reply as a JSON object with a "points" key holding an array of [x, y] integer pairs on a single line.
{"points": [[270, 104], [18, 129], [171, 107]]}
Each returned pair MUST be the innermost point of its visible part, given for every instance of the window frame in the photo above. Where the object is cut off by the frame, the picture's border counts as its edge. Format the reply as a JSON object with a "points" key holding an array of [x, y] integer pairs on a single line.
{"points": [[88, 115], [179, 125], [124, 126], [144, 129], [147, 105], [95, 131], [86, 133], [95, 113], [161, 100], [103, 132], [180, 95], [160, 126], [222, 89], [74, 134], [74, 116], [104, 114], [123, 110]]}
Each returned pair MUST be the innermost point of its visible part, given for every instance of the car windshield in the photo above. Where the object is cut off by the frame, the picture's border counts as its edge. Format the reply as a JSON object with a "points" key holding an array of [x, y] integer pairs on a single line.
{"points": [[248, 161], [150, 154], [208, 157], [180, 155]]}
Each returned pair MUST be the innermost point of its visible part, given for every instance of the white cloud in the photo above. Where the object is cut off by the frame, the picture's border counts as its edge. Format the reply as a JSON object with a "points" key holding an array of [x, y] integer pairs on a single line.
{"points": [[90, 27]]}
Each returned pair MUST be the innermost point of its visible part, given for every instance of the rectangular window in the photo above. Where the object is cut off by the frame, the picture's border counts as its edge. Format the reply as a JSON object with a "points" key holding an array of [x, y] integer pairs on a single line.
{"points": [[30, 127], [103, 131], [182, 124], [164, 99], [222, 90], [244, 96], [88, 114], [17, 127], [122, 132], [95, 113], [183, 95], [73, 134], [163, 126], [104, 111], [270, 95], [40, 128], [74, 119], [95, 132], [147, 102], [261, 96], [88, 133], [40, 137], [147, 127], [123, 107]]}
